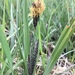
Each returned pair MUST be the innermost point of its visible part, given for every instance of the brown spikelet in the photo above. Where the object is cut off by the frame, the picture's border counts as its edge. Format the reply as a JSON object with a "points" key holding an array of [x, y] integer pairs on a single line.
{"points": [[32, 59], [36, 9], [35, 20]]}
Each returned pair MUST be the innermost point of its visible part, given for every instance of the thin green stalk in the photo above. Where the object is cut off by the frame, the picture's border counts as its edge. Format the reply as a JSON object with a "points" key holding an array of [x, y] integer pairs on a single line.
{"points": [[4, 16], [7, 7], [26, 34]]}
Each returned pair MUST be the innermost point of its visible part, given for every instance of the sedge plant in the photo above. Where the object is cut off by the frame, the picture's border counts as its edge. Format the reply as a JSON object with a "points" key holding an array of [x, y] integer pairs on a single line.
{"points": [[60, 45]]}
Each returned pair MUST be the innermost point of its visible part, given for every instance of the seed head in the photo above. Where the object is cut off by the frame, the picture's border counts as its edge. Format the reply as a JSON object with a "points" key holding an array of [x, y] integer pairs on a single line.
{"points": [[37, 8]]}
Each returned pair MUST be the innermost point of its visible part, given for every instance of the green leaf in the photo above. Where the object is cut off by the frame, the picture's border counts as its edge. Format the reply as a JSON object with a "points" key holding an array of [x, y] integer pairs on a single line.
{"points": [[5, 46], [61, 43]]}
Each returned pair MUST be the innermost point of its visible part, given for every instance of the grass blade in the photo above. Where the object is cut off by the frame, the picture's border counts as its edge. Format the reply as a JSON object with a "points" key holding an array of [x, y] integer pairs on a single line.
{"points": [[5, 46], [67, 32], [26, 34]]}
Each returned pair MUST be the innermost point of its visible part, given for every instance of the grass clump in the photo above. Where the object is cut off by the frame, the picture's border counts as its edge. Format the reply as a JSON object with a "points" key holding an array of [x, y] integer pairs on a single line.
{"points": [[23, 23]]}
